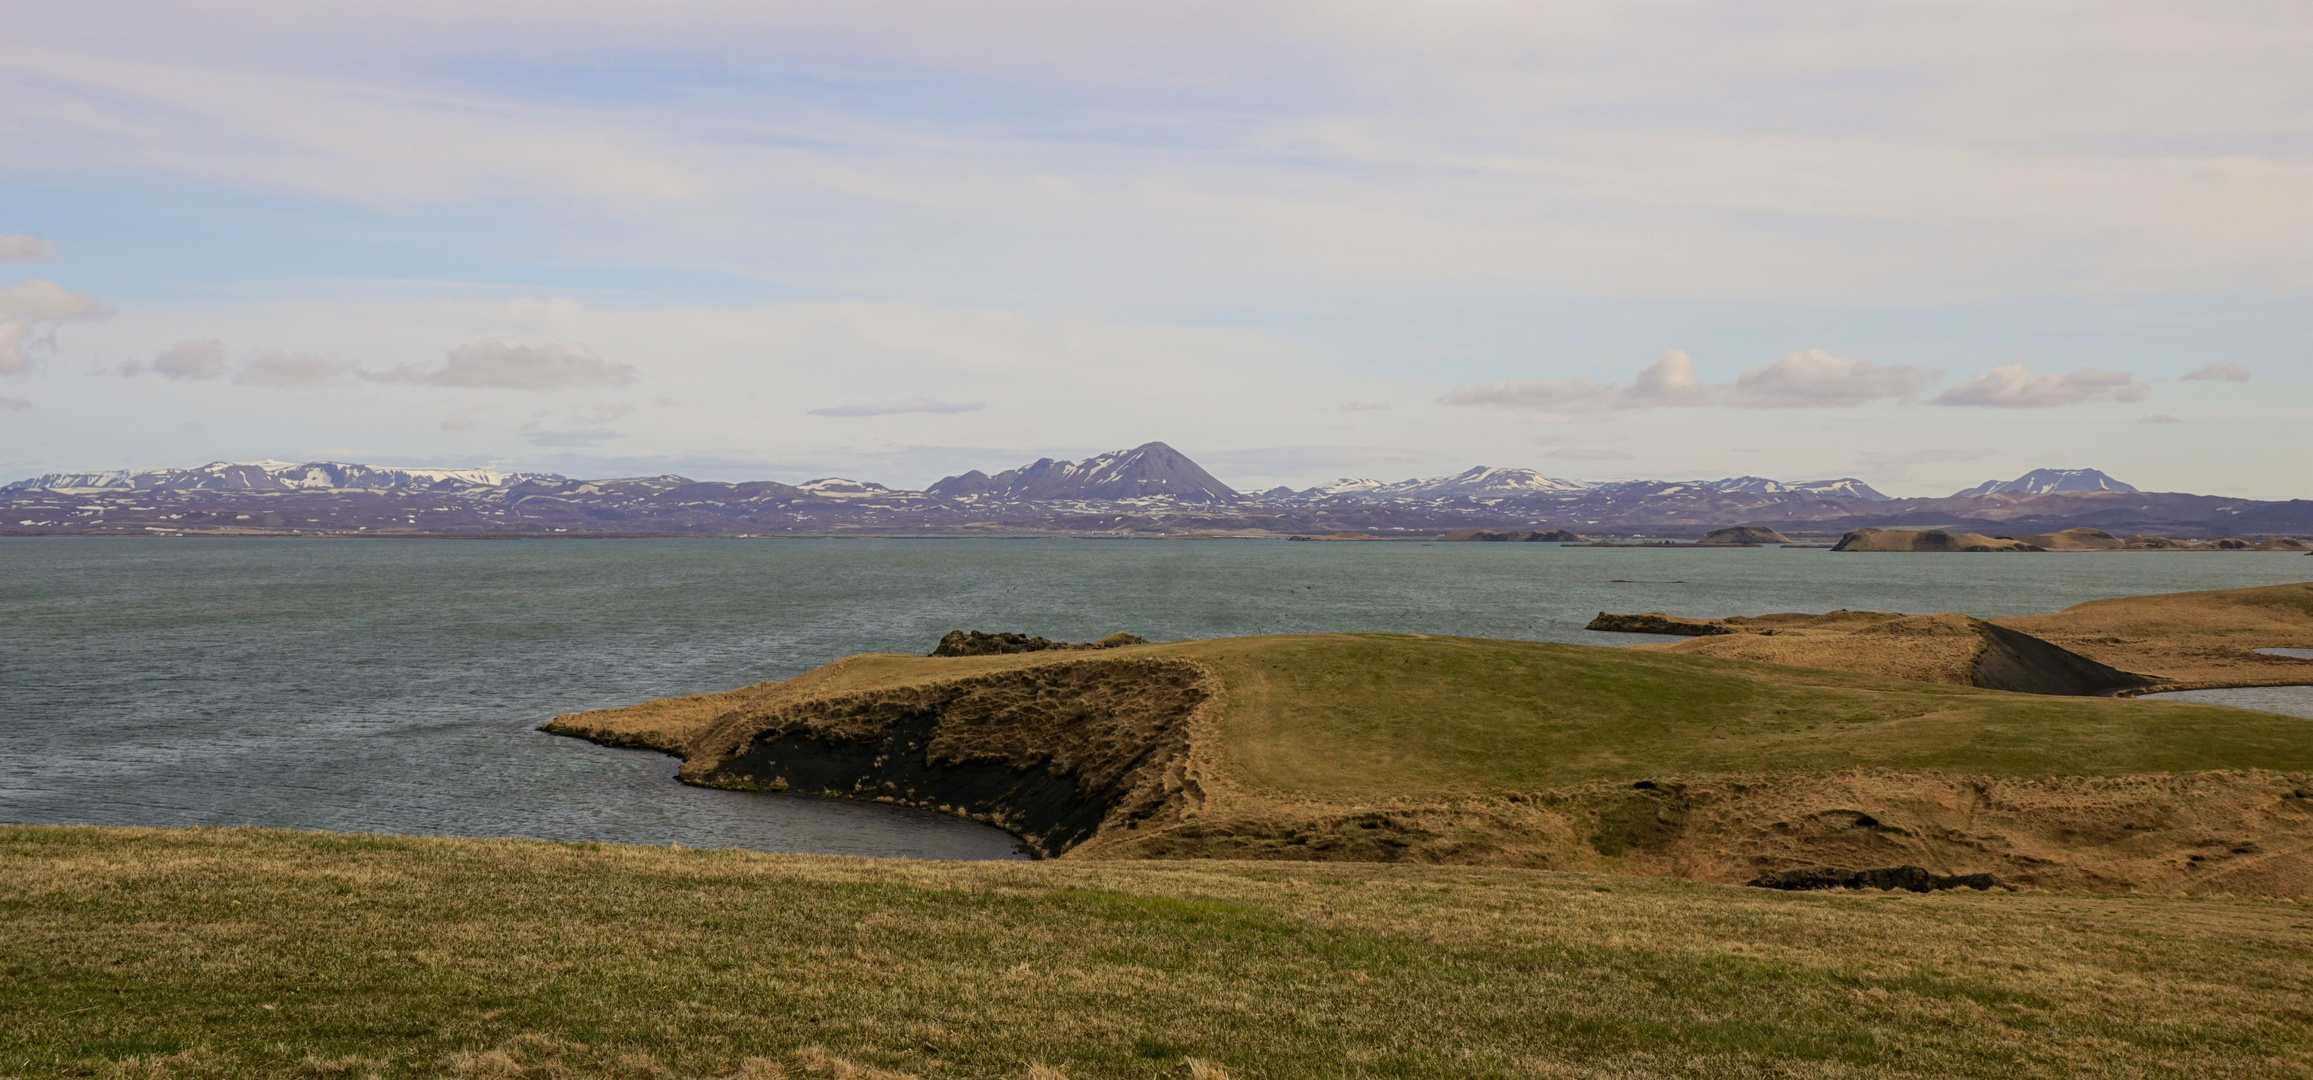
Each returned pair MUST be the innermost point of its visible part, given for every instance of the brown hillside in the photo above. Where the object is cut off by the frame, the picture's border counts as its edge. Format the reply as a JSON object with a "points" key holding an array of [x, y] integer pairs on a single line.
{"points": [[1926, 540]]}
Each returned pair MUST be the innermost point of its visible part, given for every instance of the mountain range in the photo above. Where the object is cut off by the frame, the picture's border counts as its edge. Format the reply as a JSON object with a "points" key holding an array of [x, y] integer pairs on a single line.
{"points": [[1150, 489]]}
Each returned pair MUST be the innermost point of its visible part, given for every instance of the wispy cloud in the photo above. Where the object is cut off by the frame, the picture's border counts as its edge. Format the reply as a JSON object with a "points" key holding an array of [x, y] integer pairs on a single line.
{"points": [[2217, 373], [185, 361], [580, 437], [29, 313], [14, 404], [1361, 406], [512, 365], [24, 247], [1898, 464], [2159, 418], [903, 405], [1668, 381], [1811, 378], [1588, 453], [2013, 386], [293, 370]]}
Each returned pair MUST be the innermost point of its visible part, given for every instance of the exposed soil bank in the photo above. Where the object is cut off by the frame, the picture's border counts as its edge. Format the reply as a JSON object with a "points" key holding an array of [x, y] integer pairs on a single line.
{"points": [[1054, 752]]}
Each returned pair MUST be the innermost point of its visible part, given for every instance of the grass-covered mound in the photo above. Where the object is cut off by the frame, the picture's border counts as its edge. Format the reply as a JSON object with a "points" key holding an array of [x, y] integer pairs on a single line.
{"points": [[238, 953], [1407, 747]]}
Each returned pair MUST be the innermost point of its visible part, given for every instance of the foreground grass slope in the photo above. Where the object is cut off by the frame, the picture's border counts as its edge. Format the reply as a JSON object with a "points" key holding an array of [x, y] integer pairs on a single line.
{"points": [[241, 953]]}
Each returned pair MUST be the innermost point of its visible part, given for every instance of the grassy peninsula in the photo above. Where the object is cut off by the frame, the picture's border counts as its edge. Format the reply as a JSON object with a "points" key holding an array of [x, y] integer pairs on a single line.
{"points": [[197, 954], [1454, 750]]}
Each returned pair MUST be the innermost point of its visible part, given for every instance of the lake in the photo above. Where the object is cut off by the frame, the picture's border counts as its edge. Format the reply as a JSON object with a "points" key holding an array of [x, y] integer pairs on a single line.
{"points": [[395, 685]]}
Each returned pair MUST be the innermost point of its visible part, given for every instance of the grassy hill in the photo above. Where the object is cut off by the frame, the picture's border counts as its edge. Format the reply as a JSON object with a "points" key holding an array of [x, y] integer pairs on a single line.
{"points": [[1439, 749], [214, 954]]}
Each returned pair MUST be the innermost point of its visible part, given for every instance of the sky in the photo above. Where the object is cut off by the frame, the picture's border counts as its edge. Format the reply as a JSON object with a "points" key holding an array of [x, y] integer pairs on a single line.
{"points": [[1921, 244]]}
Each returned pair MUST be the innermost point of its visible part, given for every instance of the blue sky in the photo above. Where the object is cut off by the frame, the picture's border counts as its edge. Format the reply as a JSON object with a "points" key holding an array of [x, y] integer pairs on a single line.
{"points": [[1923, 244]]}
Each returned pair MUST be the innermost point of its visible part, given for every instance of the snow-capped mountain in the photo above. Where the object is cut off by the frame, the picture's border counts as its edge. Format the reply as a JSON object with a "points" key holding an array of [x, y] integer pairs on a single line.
{"points": [[1487, 484], [1147, 470], [1477, 482], [1482, 482], [269, 475], [836, 487], [2044, 481], [1845, 487]]}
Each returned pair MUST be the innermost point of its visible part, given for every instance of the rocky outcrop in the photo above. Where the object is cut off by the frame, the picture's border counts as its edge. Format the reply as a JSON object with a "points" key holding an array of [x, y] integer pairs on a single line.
{"points": [[1655, 622], [1744, 535], [1908, 878], [975, 643], [1054, 753]]}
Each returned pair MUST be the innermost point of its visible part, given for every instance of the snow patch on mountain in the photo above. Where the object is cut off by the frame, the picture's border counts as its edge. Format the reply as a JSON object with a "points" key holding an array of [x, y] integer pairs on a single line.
{"points": [[2044, 481], [266, 474]]}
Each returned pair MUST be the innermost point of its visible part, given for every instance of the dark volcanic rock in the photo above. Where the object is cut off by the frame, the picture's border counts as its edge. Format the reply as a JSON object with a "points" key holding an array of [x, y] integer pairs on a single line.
{"points": [[1908, 878], [1655, 622], [1552, 536], [2014, 660], [975, 643]]}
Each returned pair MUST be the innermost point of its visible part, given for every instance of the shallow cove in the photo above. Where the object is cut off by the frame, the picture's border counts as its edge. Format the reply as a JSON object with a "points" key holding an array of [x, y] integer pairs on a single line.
{"points": [[394, 686]]}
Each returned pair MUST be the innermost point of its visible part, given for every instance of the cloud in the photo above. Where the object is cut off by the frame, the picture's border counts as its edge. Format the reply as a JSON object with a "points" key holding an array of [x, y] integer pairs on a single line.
{"points": [[29, 312], [185, 361], [298, 370], [1814, 379], [904, 405], [1532, 395], [1361, 406], [2013, 387], [2159, 418], [1670, 380], [46, 301], [24, 247], [511, 365], [2218, 373], [458, 422], [14, 404], [1588, 453]]}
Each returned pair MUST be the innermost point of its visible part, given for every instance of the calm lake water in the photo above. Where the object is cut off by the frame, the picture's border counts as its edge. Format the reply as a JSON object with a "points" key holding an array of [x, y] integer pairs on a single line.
{"points": [[394, 686]]}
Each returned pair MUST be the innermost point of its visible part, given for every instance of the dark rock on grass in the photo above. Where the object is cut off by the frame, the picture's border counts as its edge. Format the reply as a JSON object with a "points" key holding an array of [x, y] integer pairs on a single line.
{"points": [[1908, 878], [1744, 536], [1655, 622], [975, 643]]}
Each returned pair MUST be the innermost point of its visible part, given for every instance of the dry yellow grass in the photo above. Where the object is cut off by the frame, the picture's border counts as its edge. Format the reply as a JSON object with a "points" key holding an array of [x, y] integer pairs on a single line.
{"points": [[1940, 648]]}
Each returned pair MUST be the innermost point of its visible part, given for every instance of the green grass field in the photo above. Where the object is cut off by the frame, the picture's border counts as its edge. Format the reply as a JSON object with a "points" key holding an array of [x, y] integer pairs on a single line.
{"points": [[1374, 714], [236, 953]]}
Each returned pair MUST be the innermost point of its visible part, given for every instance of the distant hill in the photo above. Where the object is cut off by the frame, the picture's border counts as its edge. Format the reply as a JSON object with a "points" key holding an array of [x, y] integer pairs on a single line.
{"points": [[1150, 470], [269, 475], [2047, 481], [1151, 489]]}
